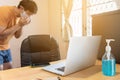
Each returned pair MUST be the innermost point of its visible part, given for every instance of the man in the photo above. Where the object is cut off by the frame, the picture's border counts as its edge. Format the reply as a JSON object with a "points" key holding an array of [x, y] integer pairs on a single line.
{"points": [[12, 20]]}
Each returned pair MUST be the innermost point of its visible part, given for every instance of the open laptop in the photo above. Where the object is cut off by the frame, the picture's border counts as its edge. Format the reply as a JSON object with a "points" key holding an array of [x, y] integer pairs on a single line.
{"points": [[82, 53]]}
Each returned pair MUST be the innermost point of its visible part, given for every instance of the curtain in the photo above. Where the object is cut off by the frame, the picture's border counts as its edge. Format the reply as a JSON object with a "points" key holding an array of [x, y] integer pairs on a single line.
{"points": [[67, 29]]}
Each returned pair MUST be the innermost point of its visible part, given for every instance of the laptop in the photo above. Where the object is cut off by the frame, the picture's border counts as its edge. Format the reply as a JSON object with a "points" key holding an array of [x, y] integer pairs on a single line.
{"points": [[82, 53]]}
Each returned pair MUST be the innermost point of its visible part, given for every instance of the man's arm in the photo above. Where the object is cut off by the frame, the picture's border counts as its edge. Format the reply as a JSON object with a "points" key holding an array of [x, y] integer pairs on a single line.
{"points": [[9, 31], [13, 29], [2, 28], [18, 33]]}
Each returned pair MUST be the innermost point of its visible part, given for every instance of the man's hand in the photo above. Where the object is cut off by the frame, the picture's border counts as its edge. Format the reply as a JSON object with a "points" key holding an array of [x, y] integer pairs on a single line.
{"points": [[24, 21], [18, 33]]}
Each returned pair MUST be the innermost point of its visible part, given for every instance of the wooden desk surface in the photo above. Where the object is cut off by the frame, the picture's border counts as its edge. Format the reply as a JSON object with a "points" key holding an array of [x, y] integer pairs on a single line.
{"points": [[28, 73]]}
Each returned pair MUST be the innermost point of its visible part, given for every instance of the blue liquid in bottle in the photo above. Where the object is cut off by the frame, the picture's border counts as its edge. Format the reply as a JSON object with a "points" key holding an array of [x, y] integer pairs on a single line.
{"points": [[109, 67]]}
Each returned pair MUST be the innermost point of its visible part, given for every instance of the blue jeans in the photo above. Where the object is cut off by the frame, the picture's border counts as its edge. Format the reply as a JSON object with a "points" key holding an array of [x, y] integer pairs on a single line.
{"points": [[5, 56]]}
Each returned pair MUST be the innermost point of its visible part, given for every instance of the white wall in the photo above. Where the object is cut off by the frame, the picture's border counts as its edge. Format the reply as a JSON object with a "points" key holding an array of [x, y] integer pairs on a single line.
{"points": [[39, 25]]}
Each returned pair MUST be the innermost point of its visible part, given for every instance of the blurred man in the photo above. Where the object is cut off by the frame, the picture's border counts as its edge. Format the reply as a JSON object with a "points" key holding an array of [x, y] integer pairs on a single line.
{"points": [[9, 27]]}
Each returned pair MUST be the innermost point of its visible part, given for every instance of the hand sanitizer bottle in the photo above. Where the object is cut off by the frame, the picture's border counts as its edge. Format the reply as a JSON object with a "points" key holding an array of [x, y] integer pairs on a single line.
{"points": [[108, 61]]}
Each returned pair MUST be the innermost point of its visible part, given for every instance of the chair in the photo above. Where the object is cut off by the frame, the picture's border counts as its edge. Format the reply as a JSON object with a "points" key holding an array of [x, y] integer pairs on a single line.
{"points": [[39, 50]]}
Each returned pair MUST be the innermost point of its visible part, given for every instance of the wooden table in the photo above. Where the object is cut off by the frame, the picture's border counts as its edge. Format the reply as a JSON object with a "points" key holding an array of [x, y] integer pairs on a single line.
{"points": [[28, 73]]}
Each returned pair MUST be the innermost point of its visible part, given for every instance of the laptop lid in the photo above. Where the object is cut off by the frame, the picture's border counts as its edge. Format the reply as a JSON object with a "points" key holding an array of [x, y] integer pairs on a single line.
{"points": [[82, 53]]}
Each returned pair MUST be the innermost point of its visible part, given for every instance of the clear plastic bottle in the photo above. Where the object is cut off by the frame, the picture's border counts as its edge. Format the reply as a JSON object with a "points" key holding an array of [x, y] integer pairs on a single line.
{"points": [[108, 61]]}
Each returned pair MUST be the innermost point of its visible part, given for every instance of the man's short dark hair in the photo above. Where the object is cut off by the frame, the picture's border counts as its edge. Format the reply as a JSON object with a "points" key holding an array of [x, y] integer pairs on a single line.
{"points": [[29, 5]]}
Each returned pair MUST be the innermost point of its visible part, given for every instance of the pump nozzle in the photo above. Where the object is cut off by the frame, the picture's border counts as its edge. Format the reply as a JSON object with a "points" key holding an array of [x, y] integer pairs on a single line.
{"points": [[108, 41], [108, 48]]}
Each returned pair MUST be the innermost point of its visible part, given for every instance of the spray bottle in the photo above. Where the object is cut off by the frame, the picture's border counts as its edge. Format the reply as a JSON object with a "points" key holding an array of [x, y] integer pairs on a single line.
{"points": [[108, 61]]}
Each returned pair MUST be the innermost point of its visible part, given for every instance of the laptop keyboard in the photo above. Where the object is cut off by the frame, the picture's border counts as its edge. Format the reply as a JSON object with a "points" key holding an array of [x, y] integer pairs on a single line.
{"points": [[61, 68]]}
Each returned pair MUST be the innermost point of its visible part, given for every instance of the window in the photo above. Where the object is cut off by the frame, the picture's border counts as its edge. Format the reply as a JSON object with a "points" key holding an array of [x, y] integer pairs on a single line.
{"points": [[91, 7], [96, 7], [75, 18]]}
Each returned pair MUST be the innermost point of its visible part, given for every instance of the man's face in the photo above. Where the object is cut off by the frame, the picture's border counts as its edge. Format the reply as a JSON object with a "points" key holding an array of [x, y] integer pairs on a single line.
{"points": [[29, 13], [26, 14]]}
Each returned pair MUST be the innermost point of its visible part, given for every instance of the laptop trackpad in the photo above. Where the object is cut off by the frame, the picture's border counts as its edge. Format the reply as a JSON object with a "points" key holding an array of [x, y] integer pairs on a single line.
{"points": [[61, 68], [56, 68]]}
